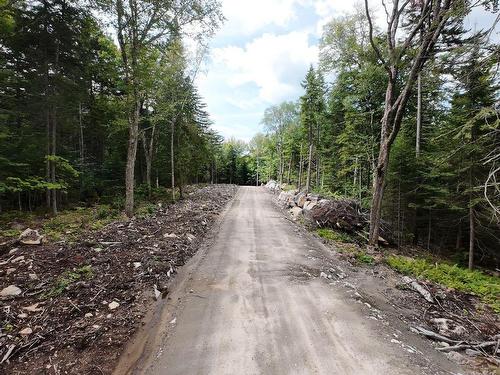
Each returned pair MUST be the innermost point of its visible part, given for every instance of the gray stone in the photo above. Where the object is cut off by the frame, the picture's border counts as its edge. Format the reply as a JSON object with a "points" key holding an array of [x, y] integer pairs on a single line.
{"points": [[11, 290], [30, 237]]}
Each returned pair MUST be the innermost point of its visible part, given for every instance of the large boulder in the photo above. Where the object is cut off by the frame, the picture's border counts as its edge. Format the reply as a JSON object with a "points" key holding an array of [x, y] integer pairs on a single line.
{"points": [[309, 205], [342, 214], [286, 199], [273, 186], [300, 199], [30, 237], [296, 212]]}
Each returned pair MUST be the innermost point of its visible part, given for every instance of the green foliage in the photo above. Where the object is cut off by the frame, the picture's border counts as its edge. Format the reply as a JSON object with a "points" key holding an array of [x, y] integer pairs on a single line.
{"points": [[66, 279], [333, 235], [364, 258], [70, 224], [474, 282]]}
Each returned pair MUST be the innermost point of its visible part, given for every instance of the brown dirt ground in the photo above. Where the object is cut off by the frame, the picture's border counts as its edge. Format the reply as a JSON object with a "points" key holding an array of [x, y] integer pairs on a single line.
{"points": [[120, 263]]}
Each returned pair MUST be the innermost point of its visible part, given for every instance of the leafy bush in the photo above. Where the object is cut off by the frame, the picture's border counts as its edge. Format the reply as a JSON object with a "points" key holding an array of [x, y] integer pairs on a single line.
{"points": [[474, 282], [364, 258]]}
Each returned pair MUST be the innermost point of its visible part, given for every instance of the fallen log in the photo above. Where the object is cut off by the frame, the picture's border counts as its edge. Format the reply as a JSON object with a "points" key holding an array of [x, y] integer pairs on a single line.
{"points": [[435, 336], [482, 345], [418, 288]]}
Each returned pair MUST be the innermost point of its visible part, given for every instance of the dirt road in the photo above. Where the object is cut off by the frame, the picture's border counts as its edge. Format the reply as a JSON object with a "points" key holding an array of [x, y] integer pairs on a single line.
{"points": [[253, 303]]}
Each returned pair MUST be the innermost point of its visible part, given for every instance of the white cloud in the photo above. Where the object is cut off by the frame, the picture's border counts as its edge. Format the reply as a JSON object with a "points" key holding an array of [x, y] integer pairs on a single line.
{"points": [[247, 17], [271, 62]]}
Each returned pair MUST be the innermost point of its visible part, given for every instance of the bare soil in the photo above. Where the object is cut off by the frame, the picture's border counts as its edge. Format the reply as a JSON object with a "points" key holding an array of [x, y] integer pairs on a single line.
{"points": [[86, 300]]}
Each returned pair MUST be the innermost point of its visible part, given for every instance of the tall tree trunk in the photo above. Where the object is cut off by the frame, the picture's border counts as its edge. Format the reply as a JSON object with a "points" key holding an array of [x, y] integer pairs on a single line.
{"points": [[301, 162], [257, 173], [172, 159], [419, 114], [472, 236], [53, 164], [378, 193], [148, 147], [289, 170], [48, 153], [81, 144], [309, 162], [429, 230], [131, 154]]}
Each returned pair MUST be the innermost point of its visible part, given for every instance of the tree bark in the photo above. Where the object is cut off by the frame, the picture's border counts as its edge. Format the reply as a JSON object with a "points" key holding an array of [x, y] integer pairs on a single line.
{"points": [[301, 162], [472, 236], [419, 113], [131, 155], [172, 159], [289, 170], [308, 181]]}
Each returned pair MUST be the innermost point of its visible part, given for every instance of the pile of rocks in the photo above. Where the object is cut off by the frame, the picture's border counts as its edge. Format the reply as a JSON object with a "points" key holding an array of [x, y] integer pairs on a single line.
{"points": [[342, 214]]}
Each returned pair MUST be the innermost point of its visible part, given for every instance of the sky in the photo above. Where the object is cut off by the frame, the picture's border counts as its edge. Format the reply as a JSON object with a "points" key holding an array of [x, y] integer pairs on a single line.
{"points": [[261, 54]]}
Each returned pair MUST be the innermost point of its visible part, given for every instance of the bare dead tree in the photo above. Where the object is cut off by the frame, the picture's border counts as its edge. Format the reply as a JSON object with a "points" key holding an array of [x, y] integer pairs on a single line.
{"points": [[432, 18]]}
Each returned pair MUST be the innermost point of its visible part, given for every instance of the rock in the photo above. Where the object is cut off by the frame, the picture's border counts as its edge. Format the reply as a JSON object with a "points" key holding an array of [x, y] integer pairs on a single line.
{"points": [[448, 327], [296, 212], [472, 352], [10, 270], [11, 290], [30, 237], [309, 206], [456, 357], [286, 199], [33, 308], [33, 276], [26, 332], [22, 316], [300, 199], [113, 305], [313, 198], [89, 315], [137, 264], [323, 275], [157, 292], [273, 186], [170, 235], [18, 259]]}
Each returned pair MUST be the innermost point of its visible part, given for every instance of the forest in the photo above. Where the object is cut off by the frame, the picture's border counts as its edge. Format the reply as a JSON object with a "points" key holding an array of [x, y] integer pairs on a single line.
{"points": [[441, 176], [355, 229], [99, 106]]}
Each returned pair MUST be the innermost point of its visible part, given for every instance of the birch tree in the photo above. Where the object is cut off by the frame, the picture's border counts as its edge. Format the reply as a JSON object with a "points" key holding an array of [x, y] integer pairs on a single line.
{"points": [[140, 24]]}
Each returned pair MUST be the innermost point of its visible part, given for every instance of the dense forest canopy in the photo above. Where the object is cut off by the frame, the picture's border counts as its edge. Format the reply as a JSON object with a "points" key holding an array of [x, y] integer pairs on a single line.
{"points": [[98, 103]]}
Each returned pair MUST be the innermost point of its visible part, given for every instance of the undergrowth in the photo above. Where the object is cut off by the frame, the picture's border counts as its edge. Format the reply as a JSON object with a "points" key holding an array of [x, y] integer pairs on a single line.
{"points": [[333, 235], [474, 282], [66, 279]]}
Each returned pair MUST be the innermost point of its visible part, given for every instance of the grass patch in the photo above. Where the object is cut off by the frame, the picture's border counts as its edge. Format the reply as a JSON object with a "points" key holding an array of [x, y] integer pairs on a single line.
{"points": [[333, 235], [9, 233], [474, 282], [66, 279], [70, 224], [364, 258], [145, 210]]}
